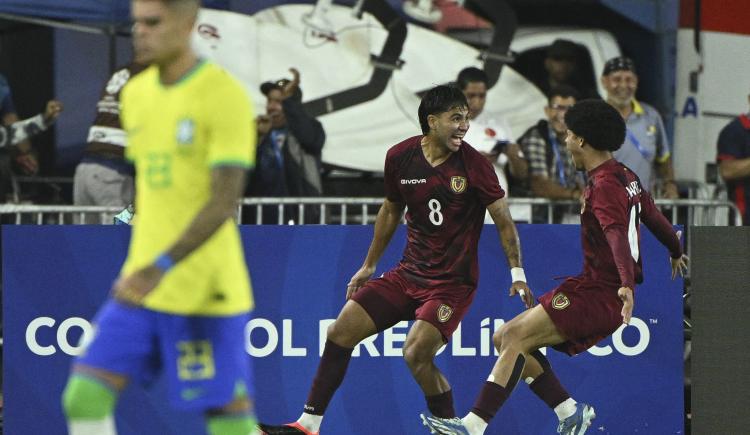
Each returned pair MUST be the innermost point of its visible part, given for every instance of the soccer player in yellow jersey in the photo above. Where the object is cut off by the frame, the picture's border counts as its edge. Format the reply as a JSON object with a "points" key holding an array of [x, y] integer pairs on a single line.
{"points": [[183, 297]]}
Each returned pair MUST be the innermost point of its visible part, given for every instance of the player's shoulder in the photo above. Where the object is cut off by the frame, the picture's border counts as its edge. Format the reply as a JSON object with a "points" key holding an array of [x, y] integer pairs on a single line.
{"points": [[146, 79], [219, 77], [140, 85], [404, 146], [615, 179], [219, 86], [471, 156], [468, 151]]}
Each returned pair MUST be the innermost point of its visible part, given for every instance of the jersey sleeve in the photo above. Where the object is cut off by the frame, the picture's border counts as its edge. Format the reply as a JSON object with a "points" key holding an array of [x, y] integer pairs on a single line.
{"points": [[483, 179], [390, 178], [610, 206], [232, 135], [659, 226]]}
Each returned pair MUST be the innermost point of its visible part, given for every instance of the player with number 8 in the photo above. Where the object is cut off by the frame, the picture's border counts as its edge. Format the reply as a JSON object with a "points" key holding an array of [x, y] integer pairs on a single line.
{"points": [[446, 186]]}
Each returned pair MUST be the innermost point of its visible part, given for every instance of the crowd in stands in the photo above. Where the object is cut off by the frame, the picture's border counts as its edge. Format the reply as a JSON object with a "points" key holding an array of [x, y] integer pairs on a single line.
{"points": [[529, 163]]}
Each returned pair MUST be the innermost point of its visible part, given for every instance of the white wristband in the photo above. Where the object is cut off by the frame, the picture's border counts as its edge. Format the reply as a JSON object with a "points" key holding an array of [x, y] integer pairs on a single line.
{"points": [[516, 274]]}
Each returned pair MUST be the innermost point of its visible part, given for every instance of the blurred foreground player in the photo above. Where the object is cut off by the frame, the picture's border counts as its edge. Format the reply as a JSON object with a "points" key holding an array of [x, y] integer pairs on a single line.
{"points": [[183, 297]]}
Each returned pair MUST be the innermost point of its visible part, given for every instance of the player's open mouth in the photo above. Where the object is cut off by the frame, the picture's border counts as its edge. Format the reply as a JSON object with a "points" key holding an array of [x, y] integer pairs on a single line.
{"points": [[456, 139]]}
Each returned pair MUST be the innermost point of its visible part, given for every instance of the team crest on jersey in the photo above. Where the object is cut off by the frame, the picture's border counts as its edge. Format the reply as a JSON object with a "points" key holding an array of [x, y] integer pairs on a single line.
{"points": [[185, 131], [560, 301], [444, 313], [458, 183]]}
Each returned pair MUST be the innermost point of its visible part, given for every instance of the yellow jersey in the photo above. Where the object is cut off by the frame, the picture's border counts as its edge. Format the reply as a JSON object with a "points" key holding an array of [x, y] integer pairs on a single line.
{"points": [[176, 135]]}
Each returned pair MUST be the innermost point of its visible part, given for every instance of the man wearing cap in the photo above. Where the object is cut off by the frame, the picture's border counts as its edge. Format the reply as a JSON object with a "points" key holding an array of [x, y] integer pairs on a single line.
{"points": [[646, 147], [734, 162], [289, 148], [561, 65]]}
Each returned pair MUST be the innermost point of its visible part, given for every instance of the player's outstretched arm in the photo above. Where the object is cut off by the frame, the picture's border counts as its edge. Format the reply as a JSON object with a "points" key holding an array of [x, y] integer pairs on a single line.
{"points": [[506, 228], [389, 216], [227, 185]]}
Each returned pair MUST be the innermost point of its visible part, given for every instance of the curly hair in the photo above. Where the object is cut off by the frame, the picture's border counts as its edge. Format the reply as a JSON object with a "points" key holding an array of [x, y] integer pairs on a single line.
{"points": [[598, 123]]}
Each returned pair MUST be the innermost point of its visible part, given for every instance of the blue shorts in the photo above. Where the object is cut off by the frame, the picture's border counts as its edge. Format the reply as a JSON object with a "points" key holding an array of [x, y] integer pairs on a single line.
{"points": [[204, 358]]}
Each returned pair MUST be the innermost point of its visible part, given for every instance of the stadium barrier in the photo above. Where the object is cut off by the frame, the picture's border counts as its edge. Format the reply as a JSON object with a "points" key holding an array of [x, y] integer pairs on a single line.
{"points": [[55, 277], [362, 211]]}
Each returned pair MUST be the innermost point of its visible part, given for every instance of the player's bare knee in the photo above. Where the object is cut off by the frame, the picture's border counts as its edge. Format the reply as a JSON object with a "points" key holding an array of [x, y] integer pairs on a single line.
{"points": [[416, 354], [335, 334], [510, 334], [497, 338], [341, 335]]}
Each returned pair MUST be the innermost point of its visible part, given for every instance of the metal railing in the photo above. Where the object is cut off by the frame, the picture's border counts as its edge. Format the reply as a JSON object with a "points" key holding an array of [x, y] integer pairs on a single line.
{"points": [[359, 211]]}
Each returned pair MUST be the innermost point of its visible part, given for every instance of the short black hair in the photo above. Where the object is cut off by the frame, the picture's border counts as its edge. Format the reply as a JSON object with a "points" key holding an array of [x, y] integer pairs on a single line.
{"points": [[471, 75], [439, 99], [563, 91], [598, 123], [563, 49]]}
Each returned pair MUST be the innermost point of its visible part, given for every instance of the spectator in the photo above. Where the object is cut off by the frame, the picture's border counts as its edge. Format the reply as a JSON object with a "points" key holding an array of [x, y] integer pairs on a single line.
{"points": [[562, 67], [290, 143], [489, 133], [22, 154], [734, 162], [552, 173], [104, 177], [646, 147]]}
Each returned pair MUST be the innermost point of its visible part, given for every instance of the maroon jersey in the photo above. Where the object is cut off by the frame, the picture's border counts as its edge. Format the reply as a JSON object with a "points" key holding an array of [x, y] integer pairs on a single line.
{"points": [[445, 211], [615, 204]]}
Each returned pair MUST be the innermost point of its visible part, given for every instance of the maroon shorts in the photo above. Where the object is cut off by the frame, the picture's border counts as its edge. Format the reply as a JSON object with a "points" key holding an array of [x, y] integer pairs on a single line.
{"points": [[392, 298], [584, 311]]}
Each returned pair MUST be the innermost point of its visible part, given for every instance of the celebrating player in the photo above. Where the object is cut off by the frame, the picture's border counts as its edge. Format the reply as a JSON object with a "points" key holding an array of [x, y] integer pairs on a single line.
{"points": [[447, 185], [586, 308]]}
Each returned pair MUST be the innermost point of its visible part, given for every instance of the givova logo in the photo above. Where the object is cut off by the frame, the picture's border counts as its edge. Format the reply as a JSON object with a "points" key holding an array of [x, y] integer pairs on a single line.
{"points": [[263, 338]]}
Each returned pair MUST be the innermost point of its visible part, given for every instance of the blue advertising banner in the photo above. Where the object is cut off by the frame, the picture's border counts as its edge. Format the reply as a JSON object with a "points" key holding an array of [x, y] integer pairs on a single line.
{"points": [[55, 278]]}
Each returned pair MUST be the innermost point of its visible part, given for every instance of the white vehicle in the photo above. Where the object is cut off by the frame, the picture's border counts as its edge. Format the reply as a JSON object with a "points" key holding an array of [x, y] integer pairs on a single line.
{"points": [[713, 83], [349, 57]]}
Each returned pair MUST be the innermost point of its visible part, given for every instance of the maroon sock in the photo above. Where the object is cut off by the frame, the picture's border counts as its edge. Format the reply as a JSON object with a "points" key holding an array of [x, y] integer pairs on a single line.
{"points": [[548, 388], [441, 405], [490, 399], [492, 396], [331, 371]]}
